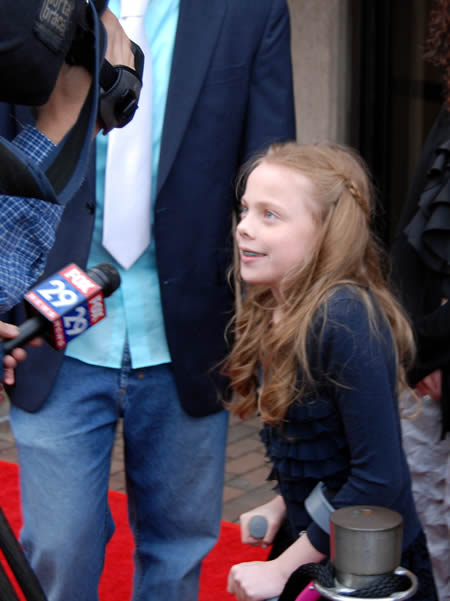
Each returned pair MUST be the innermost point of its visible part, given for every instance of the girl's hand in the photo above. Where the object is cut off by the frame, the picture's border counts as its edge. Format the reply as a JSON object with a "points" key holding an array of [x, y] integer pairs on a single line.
{"points": [[256, 580], [274, 511], [431, 385]]}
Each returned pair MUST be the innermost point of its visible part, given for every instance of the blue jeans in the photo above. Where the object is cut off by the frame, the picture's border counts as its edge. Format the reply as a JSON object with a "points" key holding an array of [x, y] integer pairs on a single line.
{"points": [[174, 467]]}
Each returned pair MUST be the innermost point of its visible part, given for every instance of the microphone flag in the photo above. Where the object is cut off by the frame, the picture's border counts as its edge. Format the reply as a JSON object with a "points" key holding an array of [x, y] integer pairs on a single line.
{"points": [[69, 301]]}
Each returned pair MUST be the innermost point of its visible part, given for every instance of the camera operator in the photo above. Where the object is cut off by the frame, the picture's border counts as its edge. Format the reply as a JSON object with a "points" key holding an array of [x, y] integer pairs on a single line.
{"points": [[28, 225]]}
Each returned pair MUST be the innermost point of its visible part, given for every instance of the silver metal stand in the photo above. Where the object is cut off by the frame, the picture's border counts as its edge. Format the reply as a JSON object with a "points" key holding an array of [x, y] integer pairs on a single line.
{"points": [[366, 545]]}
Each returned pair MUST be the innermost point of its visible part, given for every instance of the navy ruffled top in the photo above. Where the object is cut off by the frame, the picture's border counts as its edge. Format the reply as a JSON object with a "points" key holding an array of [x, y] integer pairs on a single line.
{"points": [[346, 436]]}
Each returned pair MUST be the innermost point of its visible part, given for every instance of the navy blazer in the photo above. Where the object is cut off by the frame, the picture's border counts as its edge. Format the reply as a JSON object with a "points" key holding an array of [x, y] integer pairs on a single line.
{"points": [[230, 95]]}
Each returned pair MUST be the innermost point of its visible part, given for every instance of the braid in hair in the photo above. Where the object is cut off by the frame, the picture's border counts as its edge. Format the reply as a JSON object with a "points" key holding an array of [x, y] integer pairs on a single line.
{"points": [[354, 191]]}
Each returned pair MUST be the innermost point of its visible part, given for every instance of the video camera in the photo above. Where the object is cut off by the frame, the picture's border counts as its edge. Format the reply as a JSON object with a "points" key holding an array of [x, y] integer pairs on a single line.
{"points": [[36, 37]]}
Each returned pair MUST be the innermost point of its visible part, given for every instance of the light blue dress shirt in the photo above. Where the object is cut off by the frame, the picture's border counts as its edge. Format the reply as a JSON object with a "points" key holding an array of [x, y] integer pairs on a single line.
{"points": [[134, 310]]}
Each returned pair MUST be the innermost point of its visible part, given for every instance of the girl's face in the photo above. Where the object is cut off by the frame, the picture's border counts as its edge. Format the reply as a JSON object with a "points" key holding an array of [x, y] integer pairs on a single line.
{"points": [[277, 230]]}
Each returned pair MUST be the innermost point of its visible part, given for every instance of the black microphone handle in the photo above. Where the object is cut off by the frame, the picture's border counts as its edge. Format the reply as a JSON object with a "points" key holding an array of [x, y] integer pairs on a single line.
{"points": [[28, 330]]}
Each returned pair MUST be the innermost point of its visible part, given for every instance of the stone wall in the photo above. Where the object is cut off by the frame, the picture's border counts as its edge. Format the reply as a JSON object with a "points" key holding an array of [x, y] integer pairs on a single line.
{"points": [[321, 61]]}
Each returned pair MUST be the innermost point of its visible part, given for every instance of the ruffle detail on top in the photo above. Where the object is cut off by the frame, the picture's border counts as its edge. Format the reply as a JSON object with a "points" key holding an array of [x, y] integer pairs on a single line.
{"points": [[307, 448], [429, 230]]}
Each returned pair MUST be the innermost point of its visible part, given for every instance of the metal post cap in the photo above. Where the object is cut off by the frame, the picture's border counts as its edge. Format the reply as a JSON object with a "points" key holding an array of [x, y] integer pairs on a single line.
{"points": [[366, 517], [366, 542]]}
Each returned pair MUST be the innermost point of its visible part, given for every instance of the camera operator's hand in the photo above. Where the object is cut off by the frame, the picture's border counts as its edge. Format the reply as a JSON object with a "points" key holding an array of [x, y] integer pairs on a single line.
{"points": [[8, 330], [118, 51], [119, 61], [60, 113]]}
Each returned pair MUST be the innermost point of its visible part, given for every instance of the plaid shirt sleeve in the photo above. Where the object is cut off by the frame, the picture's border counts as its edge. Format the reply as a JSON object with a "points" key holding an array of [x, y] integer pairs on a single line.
{"points": [[27, 228]]}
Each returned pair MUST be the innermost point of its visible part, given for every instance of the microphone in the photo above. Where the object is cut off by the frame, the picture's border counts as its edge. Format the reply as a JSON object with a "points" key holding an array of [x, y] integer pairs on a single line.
{"points": [[258, 526], [65, 305]]}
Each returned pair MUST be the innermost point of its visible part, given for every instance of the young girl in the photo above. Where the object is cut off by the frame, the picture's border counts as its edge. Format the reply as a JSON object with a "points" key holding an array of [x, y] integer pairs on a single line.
{"points": [[321, 348]]}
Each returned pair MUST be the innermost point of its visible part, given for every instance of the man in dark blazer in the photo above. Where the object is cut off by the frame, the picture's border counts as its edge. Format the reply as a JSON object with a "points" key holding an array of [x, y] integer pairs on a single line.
{"points": [[229, 95]]}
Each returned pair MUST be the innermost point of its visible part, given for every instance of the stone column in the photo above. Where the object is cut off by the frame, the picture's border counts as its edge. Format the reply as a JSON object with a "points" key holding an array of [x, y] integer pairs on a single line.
{"points": [[322, 74]]}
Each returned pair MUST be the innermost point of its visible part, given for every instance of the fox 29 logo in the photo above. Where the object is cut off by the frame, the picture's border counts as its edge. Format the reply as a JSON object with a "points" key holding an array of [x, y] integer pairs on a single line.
{"points": [[71, 301]]}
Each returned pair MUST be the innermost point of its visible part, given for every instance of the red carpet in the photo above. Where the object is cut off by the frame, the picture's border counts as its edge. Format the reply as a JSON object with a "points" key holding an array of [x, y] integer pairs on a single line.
{"points": [[116, 581]]}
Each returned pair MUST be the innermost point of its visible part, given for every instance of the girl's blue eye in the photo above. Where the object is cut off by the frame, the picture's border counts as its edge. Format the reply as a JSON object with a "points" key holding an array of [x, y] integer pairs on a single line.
{"points": [[269, 215], [243, 211]]}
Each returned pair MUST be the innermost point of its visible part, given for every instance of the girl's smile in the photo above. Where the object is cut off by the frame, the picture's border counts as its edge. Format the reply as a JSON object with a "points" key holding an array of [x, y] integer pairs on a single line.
{"points": [[247, 256]]}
